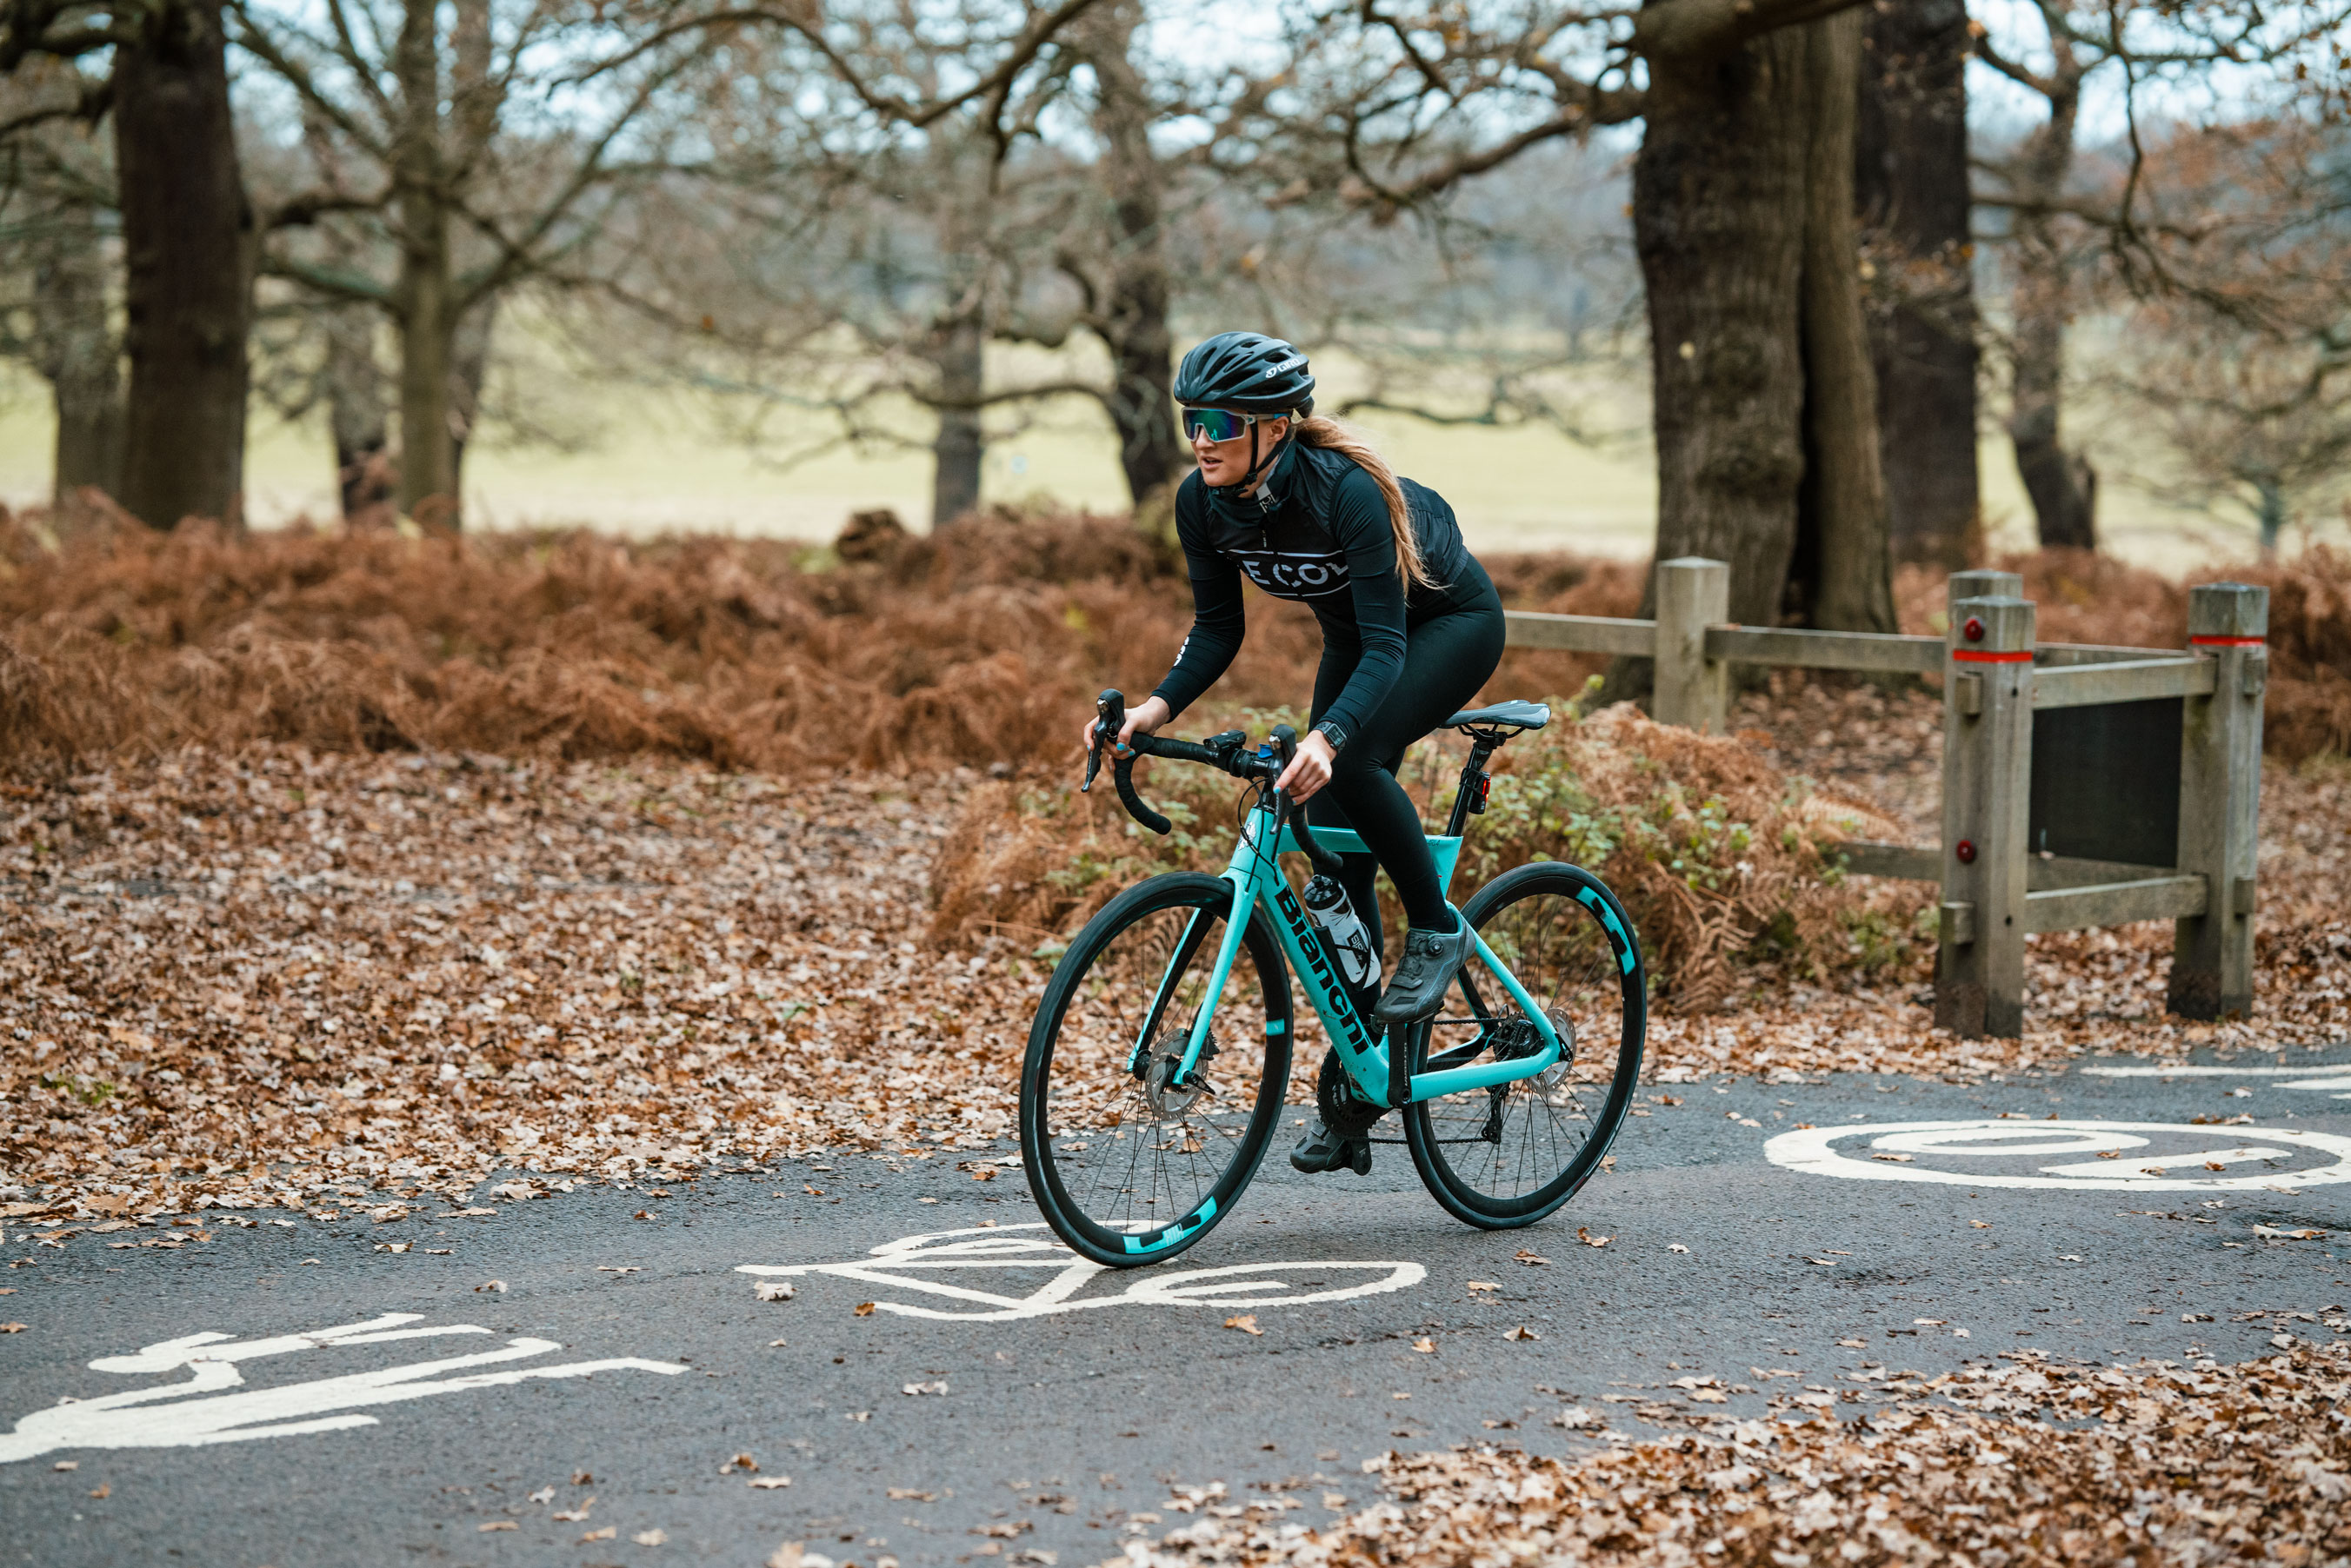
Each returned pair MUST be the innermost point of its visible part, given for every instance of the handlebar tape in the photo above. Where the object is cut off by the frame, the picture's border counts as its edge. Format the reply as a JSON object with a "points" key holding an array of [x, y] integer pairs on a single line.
{"points": [[1122, 772]]}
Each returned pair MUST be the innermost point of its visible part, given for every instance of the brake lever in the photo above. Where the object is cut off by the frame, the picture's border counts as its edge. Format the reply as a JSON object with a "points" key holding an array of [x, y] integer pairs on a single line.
{"points": [[1110, 718]]}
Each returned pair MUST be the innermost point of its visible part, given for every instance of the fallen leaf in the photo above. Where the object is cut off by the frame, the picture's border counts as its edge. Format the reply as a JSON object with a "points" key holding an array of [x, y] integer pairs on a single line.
{"points": [[496, 1287], [1893, 1159], [469, 1214], [862, 1309], [67, 1465], [393, 1246], [1246, 1322], [908, 1494], [775, 1345], [514, 1191], [1675, 1247], [606, 1533], [1575, 1417], [1521, 1332], [1589, 1240], [644, 1214], [2269, 1232], [574, 1515], [1532, 1260], [770, 1483], [12, 1328], [650, 1537], [103, 1488], [612, 1269], [1483, 1285], [543, 1495], [740, 1462], [1854, 1343], [939, 1387], [1929, 1322], [1980, 1224], [812, 1191], [498, 1524], [1426, 1346]]}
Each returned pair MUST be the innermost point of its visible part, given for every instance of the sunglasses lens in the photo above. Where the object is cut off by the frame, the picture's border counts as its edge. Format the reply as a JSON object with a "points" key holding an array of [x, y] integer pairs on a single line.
{"points": [[1216, 424]]}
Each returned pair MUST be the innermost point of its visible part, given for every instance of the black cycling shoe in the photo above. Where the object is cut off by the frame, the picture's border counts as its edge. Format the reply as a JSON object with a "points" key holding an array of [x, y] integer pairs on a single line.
{"points": [[1431, 959], [1322, 1149]]}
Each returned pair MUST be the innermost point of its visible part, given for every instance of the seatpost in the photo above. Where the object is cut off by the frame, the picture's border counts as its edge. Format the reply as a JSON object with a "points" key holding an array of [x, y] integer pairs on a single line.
{"points": [[1470, 796]]}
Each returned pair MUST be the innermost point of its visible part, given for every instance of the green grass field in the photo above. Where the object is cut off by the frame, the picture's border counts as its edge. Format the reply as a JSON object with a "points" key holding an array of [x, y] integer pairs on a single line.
{"points": [[646, 461]]}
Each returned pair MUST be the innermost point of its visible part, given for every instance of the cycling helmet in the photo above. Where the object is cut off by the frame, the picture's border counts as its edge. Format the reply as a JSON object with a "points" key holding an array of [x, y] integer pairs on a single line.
{"points": [[1248, 372]]}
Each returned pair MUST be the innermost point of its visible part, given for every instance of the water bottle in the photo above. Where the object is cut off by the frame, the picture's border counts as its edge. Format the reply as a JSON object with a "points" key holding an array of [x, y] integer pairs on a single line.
{"points": [[1327, 907]]}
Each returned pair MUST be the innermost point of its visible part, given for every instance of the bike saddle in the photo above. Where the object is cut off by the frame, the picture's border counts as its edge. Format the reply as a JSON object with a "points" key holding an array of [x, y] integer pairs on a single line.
{"points": [[1507, 715]]}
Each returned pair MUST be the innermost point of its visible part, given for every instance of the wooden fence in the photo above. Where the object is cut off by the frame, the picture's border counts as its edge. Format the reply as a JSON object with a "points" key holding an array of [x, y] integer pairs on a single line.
{"points": [[2105, 833]]}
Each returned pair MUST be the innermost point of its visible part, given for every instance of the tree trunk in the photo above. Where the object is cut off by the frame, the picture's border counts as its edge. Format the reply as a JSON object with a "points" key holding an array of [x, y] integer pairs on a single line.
{"points": [[1912, 198], [2062, 486], [1133, 315], [957, 352], [187, 239], [426, 294], [1841, 582], [356, 413], [469, 369], [1719, 222], [74, 347]]}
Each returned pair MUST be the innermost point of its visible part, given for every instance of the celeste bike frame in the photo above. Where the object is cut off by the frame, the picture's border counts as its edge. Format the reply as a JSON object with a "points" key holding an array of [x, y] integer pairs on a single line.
{"points": [[1378, 1067]]}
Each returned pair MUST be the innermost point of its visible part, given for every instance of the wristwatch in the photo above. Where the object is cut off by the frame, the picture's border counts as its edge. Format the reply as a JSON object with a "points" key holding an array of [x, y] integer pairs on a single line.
{"points": [[1334, 733]]}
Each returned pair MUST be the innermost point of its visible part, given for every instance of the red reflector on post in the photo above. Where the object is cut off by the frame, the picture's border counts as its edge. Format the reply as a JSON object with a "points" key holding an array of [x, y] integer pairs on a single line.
{"points": [[2228, 642], [1980, 656]]}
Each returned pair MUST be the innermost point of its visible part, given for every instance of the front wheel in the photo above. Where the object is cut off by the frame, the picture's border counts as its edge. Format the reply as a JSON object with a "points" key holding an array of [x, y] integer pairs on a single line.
{"points": [[1129, 1163], [1506, 1156]]}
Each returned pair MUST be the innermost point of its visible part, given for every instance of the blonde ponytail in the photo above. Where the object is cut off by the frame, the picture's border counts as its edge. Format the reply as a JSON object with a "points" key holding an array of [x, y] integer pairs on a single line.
{"points": [[1319, 430]]}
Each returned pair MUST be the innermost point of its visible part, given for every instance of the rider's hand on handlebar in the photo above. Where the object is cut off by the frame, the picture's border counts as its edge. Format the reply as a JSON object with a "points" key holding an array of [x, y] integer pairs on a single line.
{"points": [[1309, 770], [1145, 718]]}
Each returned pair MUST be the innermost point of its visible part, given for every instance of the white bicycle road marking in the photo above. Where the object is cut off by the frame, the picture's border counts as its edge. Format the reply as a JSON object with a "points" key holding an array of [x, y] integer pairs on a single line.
{"points": [[169, 1417], [2327, 1076], [991, 1252], [2280, 1159]]}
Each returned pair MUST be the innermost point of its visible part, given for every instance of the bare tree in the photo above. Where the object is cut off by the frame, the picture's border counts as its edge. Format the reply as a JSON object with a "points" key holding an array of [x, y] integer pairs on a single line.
{"points": [[187, 235], [57, 237], [2053, 232], [413, 109], [1918, 256], [2238, 341]]}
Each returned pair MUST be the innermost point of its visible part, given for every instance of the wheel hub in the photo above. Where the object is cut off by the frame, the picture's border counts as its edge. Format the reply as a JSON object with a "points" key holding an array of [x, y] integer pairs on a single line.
{"points": [[1161, 1091]]}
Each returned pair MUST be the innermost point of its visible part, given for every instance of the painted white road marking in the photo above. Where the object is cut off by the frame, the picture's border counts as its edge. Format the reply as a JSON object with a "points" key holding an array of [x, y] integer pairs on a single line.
{"points": [[2332, 1076], [990, 1253], [169, 1418], [1962, 1153]]}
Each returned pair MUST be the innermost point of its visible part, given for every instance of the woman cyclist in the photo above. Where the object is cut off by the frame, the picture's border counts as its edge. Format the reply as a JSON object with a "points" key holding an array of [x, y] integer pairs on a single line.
{"points": [[1411, 628]]}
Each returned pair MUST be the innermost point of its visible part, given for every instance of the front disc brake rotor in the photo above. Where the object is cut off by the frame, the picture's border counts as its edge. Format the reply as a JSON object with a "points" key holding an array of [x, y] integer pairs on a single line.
{"points": [[1160, 1091]]}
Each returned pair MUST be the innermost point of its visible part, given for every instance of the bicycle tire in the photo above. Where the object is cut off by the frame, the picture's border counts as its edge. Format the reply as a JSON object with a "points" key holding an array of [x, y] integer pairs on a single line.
{"points": [[1072, 1126], [1580, 946]]}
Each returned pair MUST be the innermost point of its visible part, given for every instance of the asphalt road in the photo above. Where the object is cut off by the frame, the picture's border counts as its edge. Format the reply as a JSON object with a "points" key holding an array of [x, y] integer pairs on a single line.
{"points": [[629, 1359]]}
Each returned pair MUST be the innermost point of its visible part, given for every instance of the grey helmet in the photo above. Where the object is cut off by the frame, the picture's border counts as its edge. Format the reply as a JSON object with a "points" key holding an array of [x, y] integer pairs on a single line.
{"points": [[1248, 372]]}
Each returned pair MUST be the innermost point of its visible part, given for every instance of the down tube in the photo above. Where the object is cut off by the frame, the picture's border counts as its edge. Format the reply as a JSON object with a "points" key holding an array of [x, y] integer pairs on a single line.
{"points": [[1486, 1074], [1365, 1060]]}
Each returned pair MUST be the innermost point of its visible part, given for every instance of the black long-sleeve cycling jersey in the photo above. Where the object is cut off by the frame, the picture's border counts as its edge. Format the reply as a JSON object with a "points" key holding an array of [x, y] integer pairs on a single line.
{"points": [[1317, 531]]}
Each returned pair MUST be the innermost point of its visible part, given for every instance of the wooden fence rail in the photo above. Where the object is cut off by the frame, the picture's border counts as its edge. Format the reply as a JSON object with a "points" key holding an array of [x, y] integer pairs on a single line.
{"points": [[2189, 846]]}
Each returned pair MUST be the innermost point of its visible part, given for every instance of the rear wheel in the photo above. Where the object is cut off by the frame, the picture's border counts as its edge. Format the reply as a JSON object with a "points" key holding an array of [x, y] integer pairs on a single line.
{"points": [[1508, 1155], [1128, 1164]]}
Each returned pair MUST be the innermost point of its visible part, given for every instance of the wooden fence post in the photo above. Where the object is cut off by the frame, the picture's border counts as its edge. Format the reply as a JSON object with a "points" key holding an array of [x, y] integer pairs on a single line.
{"points": [[2220, 801], [1691, 690], [1982, 585], [1987, 800]]}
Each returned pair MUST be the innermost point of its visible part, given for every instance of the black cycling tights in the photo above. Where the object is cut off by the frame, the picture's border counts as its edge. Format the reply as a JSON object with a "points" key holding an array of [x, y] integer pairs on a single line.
{"points": [[1446, 659]]}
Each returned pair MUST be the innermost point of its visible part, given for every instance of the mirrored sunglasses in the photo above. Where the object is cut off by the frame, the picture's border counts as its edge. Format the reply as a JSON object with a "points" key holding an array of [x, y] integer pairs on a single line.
{"points": [[1220, 424]]}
